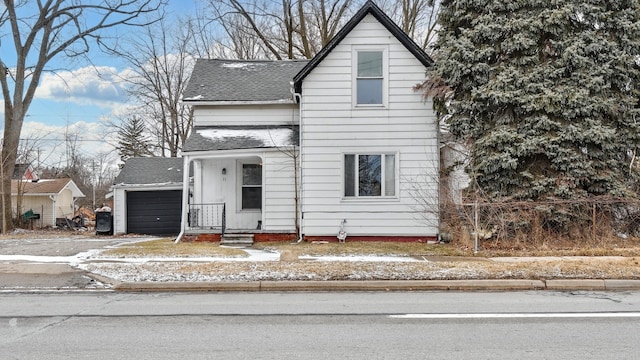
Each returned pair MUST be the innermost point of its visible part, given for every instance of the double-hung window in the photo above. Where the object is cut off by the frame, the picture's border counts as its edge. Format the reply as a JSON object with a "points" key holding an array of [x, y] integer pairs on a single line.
{"points": [[369, 175], [370, 77], [251, 186]]}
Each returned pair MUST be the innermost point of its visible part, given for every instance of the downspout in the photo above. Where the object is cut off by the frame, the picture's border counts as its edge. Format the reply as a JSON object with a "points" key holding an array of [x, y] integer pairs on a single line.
{"points": [[185, 198], [298, 96], [53, 209]]}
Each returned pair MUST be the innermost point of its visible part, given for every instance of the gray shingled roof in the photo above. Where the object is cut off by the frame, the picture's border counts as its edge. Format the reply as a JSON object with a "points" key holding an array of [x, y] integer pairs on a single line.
{"points": [[150, 170], [204, 138], [242, 80]]}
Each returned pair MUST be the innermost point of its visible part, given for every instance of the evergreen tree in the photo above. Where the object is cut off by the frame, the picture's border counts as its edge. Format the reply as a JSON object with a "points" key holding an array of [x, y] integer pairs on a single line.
{"points": [[545, 92], [132, 139]]}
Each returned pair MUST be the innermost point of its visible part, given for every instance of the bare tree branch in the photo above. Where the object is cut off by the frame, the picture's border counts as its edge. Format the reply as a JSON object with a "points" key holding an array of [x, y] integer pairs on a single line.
{"points": [[42, 34]]}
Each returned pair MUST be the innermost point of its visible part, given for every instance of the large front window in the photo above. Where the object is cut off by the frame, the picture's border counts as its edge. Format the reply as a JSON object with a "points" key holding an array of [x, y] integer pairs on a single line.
{"points": [[370, 76], [369, 175], [251, 186]]}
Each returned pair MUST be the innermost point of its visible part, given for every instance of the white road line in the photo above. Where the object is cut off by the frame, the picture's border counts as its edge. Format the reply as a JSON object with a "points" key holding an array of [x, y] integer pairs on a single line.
{"points": [[519, 315]]}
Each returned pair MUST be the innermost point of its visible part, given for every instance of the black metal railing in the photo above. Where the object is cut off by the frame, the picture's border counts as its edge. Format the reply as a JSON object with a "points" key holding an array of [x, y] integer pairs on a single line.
{"points": [[207, 216]]}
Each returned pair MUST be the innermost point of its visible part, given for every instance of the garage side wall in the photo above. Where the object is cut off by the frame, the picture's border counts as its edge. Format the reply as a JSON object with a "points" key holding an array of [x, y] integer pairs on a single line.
{"points": [[119, 211]]}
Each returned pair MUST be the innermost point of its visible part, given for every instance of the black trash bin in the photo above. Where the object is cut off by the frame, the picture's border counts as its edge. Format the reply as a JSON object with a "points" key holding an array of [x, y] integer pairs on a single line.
{"points": [[104, 223]]}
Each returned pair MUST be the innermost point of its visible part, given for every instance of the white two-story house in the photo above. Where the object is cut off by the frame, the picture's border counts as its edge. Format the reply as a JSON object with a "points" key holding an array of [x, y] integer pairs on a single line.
{"points": [[305, 149]]}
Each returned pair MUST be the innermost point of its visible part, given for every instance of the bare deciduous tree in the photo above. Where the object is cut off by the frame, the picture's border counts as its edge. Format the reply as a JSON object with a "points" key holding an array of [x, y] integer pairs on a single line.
{"points": [[417, 18], [284, 29], [161, 66], [36, 33], [289, 29]]}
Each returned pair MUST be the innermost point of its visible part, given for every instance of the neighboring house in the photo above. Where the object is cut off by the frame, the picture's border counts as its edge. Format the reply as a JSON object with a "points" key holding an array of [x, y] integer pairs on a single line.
{"points": [[147, 196], [23, 172], [364, 144], [48, 198]]}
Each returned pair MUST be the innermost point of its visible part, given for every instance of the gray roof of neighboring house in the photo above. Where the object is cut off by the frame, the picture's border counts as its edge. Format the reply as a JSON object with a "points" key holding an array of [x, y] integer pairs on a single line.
{"points": [[204, 138], [150, 170], [242, 80]]}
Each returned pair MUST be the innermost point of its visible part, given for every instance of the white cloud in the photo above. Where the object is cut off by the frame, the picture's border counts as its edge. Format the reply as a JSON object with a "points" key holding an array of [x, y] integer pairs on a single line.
{"points": [[49, 147], [101, 86]]}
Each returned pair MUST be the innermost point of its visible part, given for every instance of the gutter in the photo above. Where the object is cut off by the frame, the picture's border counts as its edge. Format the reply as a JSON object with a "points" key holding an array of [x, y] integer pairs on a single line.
{"points": [[238, 102]]}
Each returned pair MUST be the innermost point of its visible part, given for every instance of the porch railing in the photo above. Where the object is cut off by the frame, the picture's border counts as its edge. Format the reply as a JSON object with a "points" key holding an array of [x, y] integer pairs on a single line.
{"points": [[207, 216]]}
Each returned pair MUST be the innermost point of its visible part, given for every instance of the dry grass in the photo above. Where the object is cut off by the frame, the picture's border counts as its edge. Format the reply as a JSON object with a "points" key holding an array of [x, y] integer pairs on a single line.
{"points": [[626, 268], [357, 248], [524, 245], [167, 248]]}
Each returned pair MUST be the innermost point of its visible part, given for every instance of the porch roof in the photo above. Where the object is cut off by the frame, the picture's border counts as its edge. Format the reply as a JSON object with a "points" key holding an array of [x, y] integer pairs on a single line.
{"points": [[206, 138]]}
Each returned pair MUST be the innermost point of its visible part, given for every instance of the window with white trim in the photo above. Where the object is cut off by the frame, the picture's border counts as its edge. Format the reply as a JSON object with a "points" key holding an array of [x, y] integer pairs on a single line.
{"points": [[251, 186], [369, 175], [369, 77]]}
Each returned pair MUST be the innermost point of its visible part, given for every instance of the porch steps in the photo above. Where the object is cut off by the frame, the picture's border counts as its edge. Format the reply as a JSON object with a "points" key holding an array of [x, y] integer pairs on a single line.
{"points": [[236, 239]]}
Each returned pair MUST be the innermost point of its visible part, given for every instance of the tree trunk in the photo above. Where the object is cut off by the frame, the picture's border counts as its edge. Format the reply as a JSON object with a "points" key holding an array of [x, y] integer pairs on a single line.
{"points": [[9, 153]]}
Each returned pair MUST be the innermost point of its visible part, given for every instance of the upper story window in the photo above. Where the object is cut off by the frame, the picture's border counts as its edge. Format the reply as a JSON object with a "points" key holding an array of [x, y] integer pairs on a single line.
{"points": [[370, 78], [369, 175]]}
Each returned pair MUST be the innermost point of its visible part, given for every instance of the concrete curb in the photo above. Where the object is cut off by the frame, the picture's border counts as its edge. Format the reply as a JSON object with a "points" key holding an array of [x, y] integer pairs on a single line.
{"points": [[615, 284], [374, 285]]}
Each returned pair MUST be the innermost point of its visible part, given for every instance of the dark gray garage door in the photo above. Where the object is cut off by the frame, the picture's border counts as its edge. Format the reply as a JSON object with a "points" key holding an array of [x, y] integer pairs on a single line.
{"points": [[154, 212]]}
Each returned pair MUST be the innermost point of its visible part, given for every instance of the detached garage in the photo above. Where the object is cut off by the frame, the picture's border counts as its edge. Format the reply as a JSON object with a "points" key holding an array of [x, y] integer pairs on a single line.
{"points": [[147, 197]]}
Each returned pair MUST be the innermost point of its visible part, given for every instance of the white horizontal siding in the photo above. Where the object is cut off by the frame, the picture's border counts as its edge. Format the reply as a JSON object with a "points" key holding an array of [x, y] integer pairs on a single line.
{"points": [[279, 192], [41, 205], [246, 115], [119, 211], [366, 224], [332, 126]]}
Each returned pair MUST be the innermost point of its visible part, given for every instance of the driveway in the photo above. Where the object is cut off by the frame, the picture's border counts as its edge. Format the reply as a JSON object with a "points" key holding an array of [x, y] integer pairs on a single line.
{"points": [[41, 262]]}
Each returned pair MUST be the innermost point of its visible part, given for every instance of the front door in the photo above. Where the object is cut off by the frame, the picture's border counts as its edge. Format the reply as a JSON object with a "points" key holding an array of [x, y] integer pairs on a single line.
{"points": [[249, 201]]}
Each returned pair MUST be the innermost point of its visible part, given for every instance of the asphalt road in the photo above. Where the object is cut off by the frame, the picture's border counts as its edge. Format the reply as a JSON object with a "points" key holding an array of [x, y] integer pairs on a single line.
{"points": [[414, 325]]}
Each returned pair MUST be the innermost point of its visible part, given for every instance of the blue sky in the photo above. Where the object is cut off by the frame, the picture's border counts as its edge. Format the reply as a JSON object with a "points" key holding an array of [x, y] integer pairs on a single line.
{"points": [[80, 98]]}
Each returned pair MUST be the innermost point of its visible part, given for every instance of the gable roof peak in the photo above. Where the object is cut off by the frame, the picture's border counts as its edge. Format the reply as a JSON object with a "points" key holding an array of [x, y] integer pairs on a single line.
{"points": [[368, 8]]}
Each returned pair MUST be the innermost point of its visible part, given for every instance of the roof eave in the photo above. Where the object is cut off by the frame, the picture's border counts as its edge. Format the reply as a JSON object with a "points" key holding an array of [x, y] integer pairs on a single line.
{"points": [[239, 102], [230, 153]]}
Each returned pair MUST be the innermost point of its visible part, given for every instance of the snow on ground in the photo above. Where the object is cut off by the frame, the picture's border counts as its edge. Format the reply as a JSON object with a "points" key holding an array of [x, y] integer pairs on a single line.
{"points": [[275, 271], [261, 265]]}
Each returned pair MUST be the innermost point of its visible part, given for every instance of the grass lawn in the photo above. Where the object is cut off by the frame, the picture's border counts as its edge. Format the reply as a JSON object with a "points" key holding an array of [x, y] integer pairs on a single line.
{"points": [[168, 248], [357, 248]]}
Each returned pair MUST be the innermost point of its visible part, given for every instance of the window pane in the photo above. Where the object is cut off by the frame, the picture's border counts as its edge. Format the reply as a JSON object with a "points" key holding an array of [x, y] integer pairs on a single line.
{"points": [[389, 175], [349, 175], [251, 174], [369, 91], [370, 63], [252, 198], [369, 175]]}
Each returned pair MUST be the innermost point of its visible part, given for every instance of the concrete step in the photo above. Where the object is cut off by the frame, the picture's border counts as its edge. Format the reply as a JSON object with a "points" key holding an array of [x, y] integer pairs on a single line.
{"points": [[237, 239]]}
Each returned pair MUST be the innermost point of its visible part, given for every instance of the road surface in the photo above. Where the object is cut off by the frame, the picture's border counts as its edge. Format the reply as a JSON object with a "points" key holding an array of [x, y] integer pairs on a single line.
{"points": [[398, 325]]}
